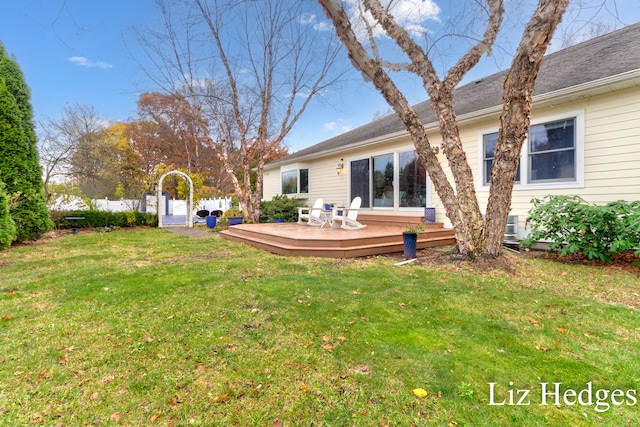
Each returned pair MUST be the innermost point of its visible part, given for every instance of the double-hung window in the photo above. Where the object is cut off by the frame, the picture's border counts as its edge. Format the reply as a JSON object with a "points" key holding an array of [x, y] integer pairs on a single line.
{"points": [[552, 151], [552, 155], [489, 142]]}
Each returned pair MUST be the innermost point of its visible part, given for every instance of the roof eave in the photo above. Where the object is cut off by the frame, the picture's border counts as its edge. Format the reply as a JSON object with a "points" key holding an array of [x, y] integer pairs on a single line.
{"points": [[585, 90]]}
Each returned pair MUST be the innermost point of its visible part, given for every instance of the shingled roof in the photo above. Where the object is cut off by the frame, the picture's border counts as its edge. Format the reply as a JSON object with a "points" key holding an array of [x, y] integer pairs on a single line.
{"points": [[605, 56]]}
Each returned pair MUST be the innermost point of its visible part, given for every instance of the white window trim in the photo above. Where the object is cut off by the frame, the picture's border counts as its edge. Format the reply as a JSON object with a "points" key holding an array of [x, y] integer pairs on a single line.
{"points": [[396, 178], [295, 167], [525, 184]]}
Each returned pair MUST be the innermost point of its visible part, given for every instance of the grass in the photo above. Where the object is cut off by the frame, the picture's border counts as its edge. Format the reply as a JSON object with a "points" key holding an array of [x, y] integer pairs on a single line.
{"points": [[146, 327]]}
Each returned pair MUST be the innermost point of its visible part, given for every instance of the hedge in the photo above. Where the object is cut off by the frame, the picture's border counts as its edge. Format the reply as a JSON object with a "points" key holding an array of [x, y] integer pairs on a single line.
{"points": [[103, 219]]}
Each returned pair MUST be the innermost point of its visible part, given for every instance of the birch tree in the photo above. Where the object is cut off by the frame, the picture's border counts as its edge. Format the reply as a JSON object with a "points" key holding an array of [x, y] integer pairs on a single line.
{"points": [[475, 236], [248, 70]]}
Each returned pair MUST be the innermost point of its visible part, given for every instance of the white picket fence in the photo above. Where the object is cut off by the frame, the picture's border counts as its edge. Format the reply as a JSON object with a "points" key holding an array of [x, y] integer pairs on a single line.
{"points": [[175, 207]]}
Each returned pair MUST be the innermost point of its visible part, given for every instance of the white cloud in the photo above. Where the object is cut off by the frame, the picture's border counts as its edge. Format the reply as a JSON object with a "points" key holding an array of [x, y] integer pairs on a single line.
{"points": [[410, 14], [85, 62], [339, 126], [311, 19]]}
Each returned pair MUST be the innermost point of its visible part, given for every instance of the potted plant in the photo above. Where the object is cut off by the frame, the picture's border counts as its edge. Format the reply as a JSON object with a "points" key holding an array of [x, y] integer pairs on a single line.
{"points": [[410, 239], [278, 217], [234, 216]]}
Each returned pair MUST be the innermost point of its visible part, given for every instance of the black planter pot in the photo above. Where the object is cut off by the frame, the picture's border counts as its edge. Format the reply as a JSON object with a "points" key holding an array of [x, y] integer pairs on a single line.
{"points": [[410, 241]]}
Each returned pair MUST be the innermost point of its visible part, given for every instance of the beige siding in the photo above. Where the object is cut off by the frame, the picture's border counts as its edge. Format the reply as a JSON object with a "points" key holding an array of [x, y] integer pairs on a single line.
{"points": [[611, 158], [611, 152]]}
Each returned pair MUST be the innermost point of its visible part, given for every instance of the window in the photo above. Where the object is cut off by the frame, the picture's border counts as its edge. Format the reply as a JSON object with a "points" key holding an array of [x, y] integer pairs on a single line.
{"points": [[552, 150], [360, 181], [383, 180], [412, 177], [388, 181], [291, 178], [489, 142], [304, 181], [552, 154]]}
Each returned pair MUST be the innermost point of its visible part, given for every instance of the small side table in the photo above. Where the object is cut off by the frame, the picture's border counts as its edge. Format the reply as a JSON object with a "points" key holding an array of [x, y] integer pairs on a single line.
{"points": [[74, 223]]}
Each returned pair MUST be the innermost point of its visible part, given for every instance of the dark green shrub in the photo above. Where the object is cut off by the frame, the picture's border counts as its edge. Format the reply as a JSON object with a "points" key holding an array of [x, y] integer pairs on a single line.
{"points": [[104, 219], [280, 204], [571, 225], [7, 226], [19, 167]]}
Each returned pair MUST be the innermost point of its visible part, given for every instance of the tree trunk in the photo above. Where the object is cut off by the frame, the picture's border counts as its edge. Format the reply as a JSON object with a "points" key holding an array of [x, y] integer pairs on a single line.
{"points": [[516, 115]]}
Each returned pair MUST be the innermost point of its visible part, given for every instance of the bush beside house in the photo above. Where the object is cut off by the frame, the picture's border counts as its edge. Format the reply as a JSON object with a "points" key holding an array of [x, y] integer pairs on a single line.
{"points": [[571, 225]]}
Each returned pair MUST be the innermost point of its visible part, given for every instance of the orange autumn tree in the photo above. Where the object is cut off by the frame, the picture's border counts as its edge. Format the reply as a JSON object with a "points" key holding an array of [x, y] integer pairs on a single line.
{"points": [[246, 71]]}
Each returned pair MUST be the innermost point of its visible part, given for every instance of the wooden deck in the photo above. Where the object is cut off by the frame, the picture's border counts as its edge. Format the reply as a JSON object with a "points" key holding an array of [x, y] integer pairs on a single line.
{"points": [[291, 239]]}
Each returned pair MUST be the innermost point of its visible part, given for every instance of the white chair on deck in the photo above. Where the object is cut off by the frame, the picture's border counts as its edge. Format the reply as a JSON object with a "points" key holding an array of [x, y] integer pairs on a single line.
{"points": [[349, 217], [311, 216]]}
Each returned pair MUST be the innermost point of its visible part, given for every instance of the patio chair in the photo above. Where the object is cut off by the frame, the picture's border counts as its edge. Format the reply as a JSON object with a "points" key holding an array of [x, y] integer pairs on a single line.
{"points": [[311, 216], [349, 217]]}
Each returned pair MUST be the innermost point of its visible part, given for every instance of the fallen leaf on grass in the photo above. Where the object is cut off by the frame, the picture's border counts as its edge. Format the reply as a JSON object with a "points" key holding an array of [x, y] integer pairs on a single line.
{"points": [[327, 347], [7, 317], [420, 392], [219, 399], [116, 416], [342, 339], [534, 321], [155, 416], [563, 330], [175, 400], [277, 423], [304, 388], [94, 396]]}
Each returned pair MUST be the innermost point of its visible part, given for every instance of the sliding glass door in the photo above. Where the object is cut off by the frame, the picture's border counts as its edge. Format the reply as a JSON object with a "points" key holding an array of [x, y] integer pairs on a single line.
{"points": [[390, 181], [412, 181], [360, 181], [383, 179]]}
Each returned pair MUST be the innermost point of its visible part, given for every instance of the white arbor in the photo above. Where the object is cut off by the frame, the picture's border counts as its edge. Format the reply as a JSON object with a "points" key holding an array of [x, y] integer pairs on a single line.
{"points": [[189, 222]]}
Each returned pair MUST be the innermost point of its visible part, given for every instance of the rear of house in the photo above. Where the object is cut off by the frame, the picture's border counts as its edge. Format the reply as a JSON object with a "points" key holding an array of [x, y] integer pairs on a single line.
{"points": [[584, 140]]}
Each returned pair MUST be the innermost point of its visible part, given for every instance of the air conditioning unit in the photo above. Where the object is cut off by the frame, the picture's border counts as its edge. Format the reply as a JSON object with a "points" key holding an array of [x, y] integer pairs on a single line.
{"points": [[511, 231]]}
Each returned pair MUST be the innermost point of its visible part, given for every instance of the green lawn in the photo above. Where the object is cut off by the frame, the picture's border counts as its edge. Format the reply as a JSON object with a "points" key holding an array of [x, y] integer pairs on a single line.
{"points": [[146, 327]]}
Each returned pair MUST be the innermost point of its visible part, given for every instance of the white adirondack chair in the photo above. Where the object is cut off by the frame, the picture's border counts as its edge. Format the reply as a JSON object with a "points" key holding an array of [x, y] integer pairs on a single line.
{"points": [[349, 217], [311, 216]]}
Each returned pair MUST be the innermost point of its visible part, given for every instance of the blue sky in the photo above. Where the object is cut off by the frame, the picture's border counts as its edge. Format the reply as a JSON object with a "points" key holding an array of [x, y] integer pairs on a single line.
{"points": [[74, 52]]}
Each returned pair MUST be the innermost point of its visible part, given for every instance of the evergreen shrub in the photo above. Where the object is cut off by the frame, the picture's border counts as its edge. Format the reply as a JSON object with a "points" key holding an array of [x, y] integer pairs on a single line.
{"points": [[280, 204]]}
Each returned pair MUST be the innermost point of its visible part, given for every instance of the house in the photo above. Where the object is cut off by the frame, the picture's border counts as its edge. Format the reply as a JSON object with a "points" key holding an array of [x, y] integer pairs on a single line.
{"points": [[584, 140]]}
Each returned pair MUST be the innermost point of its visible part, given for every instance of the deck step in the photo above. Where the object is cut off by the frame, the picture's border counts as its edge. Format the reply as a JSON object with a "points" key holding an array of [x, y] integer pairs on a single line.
{"points": [[302, 240]]}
